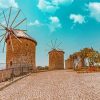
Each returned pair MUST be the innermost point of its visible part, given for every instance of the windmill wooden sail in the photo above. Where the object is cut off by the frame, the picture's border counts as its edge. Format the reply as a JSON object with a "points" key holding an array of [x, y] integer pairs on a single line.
{"points": [[20, 47]]}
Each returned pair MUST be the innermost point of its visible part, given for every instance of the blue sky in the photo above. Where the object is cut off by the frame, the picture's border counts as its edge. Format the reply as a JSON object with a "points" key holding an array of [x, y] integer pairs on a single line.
{"points": [[76, 23]]}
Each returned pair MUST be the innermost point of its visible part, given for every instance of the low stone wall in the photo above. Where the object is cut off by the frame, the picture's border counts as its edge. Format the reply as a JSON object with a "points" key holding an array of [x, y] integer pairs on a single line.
{"points": [[6, 74]]}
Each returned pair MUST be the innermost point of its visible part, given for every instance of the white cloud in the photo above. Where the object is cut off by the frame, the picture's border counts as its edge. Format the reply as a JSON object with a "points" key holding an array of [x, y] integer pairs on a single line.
{"points": [[51, 6], [46, 6], [54, 24], [77, 18], [62, 2], [35, 23], [8, 3], [94, 8]]}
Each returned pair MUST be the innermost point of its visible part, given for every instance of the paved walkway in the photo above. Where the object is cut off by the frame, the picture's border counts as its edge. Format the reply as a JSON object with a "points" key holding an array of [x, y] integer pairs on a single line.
{"points": [[55, 85]]}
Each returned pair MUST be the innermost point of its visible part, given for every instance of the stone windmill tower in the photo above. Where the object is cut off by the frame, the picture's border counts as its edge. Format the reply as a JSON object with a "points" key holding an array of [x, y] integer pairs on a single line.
{"points": [[56, 57], [20, 47]]}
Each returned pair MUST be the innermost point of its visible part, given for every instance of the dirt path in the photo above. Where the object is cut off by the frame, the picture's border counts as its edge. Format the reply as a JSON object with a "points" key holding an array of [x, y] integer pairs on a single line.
{"points": [[55, 85]]}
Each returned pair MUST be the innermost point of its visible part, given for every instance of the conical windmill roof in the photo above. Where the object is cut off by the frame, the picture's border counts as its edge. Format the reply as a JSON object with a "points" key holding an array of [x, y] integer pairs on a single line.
{"points": [[22, 34]]}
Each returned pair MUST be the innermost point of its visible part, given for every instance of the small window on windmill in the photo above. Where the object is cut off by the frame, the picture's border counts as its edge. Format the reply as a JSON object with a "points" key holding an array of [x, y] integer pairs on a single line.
{"points": [[10, 63]]}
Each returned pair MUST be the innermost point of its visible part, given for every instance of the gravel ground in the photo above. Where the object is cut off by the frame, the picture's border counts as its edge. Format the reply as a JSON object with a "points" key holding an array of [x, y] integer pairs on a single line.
{"points": [[55, 85]]}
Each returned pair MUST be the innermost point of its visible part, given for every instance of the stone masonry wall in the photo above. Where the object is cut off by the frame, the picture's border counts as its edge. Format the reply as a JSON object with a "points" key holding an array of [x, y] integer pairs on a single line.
{"points": [[23, 54], [56, 60], [69, 64]]}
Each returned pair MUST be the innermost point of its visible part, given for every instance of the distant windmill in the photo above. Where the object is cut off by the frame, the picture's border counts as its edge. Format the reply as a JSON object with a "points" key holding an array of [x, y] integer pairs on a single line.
{"points": [[10, 22], [20, 47], [56, 56]]}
